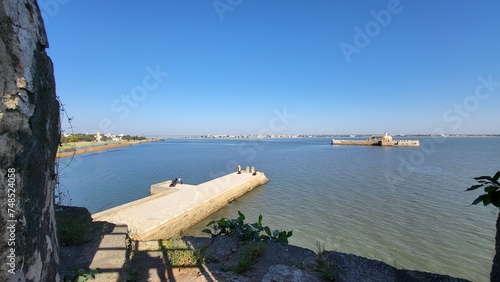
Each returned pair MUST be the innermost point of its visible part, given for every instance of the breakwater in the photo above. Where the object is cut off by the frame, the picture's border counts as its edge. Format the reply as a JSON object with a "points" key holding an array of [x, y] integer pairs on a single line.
{"points": [[171, 210]]}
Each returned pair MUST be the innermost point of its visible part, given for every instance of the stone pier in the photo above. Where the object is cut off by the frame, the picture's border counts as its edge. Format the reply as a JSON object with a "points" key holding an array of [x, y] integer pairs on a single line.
{"points": [[169, 211]]}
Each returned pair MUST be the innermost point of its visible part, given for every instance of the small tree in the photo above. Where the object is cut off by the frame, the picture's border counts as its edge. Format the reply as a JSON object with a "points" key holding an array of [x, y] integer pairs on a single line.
{"points": [[491, 196]]}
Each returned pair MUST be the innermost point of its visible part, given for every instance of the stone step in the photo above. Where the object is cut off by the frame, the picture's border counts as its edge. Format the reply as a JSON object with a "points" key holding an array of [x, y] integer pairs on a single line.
{"points": [[111, 255]]}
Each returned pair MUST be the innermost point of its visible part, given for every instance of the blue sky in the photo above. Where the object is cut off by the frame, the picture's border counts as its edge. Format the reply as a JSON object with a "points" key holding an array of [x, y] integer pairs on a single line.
{"points": [[175, 67]]}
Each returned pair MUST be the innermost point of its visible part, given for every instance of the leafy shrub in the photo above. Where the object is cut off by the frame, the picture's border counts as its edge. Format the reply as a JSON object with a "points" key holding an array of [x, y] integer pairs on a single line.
{"points": [[81, 275], [491, 190], [247, 232]]}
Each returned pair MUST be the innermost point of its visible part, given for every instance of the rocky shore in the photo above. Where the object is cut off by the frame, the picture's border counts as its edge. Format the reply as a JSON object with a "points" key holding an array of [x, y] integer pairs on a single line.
{"points": [[222, 258]]}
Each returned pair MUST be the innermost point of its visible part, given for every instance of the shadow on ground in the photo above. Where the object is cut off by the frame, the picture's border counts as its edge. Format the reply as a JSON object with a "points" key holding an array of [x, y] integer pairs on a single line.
{"points": [[109, 252], [90, 249]]}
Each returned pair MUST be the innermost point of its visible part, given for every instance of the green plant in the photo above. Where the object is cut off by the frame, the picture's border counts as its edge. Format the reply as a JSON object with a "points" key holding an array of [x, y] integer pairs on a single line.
{"points": [[327, 270], [247, 232], [491, 189], [247, 255], [82, 275], [73, 232], [491, 196]]}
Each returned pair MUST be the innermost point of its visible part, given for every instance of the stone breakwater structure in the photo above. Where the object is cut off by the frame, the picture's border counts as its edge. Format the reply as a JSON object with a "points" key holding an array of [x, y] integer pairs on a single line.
{"points": [[379, 140], [170, 210]]}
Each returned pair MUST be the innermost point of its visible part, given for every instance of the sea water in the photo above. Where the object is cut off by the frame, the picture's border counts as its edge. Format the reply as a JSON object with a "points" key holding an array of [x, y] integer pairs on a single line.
{"points": [[404, 206]]}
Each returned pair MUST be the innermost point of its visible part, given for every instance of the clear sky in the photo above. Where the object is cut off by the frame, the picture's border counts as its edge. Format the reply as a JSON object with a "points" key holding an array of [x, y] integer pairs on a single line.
{"points": [[185, 67]]}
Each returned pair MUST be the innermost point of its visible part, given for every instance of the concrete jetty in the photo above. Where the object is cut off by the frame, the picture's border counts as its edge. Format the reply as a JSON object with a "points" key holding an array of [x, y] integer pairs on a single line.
{"points": [[168, 211]]}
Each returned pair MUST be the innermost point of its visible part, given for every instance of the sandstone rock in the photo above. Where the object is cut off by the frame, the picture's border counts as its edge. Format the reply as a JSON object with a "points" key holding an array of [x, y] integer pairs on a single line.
{"points": [[221, 248], [245, 253], [289, 255], [197, 243], [355, 268]]}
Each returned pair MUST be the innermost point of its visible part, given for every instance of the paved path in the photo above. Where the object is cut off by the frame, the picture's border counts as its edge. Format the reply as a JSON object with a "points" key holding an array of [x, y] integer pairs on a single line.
{"points": [[162, 216]]}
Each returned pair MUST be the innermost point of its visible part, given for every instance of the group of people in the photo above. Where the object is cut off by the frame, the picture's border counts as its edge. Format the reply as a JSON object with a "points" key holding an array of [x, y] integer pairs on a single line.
{"points": [[252, 170], [176, 181]]}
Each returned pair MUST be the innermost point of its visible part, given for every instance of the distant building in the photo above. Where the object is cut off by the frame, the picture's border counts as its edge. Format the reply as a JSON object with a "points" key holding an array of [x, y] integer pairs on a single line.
{"points": [[98, 137]]}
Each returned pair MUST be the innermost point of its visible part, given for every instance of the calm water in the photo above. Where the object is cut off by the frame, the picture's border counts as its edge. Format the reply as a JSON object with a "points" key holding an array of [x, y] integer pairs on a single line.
{"points": [[404, 206]]}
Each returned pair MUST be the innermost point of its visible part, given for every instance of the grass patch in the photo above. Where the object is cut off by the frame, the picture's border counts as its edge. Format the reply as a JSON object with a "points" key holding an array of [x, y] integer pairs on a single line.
{"points": [[179, 255], [72, 146], [326, 269]]}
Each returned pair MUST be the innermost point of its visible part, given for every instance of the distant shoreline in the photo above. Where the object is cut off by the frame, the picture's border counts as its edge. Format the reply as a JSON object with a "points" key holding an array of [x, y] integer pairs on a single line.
{"points": [[222, 137], [287, 136], [86, 149], [77, 151]]}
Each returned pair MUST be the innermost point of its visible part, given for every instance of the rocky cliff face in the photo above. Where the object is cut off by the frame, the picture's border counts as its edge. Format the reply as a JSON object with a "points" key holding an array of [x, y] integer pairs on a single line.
{"points": [[29, 136]]}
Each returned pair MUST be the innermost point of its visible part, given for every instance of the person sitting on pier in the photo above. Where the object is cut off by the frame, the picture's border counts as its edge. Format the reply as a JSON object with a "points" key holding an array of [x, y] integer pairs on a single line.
{"points": [[176, 181]]}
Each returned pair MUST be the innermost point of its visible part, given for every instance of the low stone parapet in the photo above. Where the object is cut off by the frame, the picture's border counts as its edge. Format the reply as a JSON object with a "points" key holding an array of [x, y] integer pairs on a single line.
{"points": [[160, 187]]}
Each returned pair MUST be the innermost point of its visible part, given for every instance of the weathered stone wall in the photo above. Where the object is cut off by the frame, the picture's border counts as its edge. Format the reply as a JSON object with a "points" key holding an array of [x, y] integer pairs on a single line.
{"points": [[29, 136]]}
